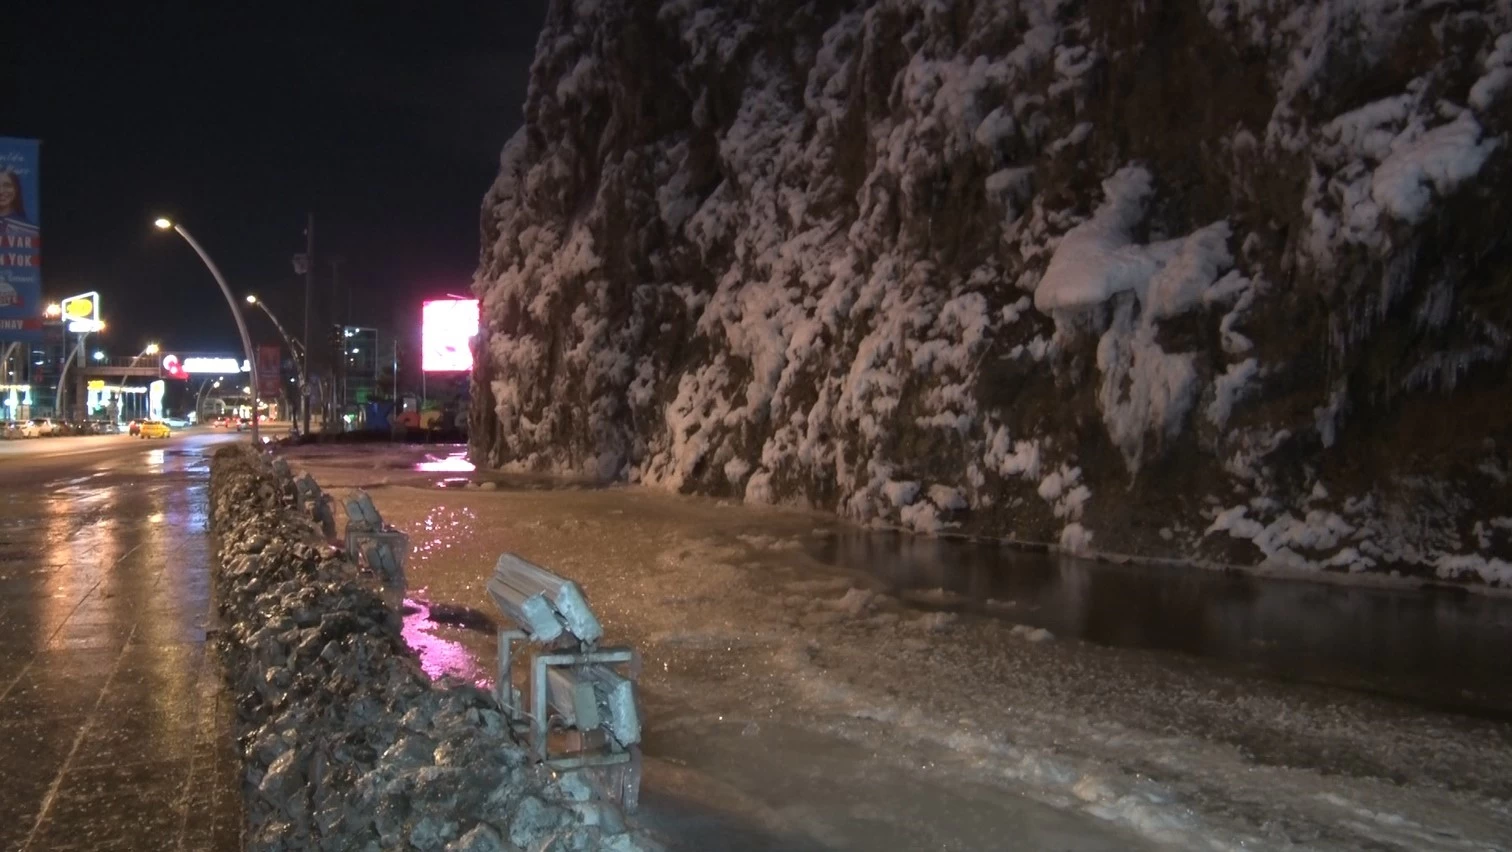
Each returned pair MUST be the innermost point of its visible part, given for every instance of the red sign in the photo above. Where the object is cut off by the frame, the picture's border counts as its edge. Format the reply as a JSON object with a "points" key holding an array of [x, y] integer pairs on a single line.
{"points": [[269, 370], [173, 368]]}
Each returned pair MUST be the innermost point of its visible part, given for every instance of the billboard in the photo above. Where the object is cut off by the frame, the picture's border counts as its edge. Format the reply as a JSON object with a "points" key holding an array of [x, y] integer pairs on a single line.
{"points": [[20, 241], [447, 328], [189, 365], [269, 370]]}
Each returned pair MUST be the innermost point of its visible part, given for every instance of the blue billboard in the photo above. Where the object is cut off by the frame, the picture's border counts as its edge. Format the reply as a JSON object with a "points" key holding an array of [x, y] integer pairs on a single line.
{"points": [[20, 241]]}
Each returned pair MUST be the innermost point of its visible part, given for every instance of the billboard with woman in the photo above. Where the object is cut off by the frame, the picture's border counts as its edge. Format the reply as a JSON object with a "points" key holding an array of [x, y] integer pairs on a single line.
{"points": [[20, 241]]}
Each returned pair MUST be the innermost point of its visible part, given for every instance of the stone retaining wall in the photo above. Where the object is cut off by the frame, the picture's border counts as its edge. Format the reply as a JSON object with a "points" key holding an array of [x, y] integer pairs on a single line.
{"points": [[346, 743]]}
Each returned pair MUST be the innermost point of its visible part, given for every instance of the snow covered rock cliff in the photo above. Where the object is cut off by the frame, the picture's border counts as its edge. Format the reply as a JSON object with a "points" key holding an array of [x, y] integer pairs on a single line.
{"points": [[1216, 279]]}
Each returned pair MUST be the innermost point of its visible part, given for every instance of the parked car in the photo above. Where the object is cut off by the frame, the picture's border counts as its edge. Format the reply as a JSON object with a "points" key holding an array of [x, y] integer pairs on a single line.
{"points": [[41, 427], [10, 429], [134, 428], [154, 429]]}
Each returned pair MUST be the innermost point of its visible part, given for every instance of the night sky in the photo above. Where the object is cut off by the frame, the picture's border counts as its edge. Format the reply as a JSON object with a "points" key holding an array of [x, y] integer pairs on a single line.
{"points": [[384, 119]]}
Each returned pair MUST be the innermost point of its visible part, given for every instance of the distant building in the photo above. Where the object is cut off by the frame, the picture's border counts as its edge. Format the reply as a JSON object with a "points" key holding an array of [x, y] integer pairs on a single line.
{"points": [[363, 365]]}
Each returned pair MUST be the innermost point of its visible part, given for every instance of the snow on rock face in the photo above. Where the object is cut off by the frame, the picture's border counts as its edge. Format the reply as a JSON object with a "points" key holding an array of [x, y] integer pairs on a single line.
{"points": [[904, 258]]}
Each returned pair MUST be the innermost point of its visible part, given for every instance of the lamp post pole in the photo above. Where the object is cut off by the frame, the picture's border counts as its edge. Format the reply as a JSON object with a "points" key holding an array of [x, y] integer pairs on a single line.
{"points": [[309, 289], [301, 357], [63, 375], [199, 400], [241, 322], [6, 378], [152, 349]]}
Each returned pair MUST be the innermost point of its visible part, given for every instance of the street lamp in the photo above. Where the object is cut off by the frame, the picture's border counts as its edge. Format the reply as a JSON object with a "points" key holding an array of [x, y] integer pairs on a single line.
{"points": [[99, 356], [295, 347], [149, 349], [241, 323], [199, 400], [76, 355], [54, 310]]}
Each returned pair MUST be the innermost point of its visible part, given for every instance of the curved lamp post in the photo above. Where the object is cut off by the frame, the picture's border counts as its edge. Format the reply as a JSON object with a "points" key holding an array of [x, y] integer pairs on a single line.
{"points": [[294, 346], [152, 349], [199, 399], [76, 355], [241, 323]]}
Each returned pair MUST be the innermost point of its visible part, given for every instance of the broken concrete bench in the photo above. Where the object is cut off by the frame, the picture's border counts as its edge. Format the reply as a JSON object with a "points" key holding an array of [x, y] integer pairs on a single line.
{"points": [[582, 712], [373, 544], [311, 501], [369, 542]]}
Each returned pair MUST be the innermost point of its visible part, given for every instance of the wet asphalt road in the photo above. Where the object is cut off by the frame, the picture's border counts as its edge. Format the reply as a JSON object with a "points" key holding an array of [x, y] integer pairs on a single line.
{"points": [[115, 729]]}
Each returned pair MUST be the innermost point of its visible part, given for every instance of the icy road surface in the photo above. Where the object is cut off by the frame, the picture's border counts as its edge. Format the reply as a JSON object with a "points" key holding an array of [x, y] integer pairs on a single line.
{"points": [[797, 699]]}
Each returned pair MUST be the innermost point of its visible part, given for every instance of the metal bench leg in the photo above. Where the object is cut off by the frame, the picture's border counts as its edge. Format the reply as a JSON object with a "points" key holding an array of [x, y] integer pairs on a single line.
{"points": [[504, 691], [538, 693]]}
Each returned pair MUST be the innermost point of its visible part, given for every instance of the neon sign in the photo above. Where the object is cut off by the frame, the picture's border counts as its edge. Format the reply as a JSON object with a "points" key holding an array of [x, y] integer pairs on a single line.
{"points": [[82, 312], [447, 328], [178, 367]]}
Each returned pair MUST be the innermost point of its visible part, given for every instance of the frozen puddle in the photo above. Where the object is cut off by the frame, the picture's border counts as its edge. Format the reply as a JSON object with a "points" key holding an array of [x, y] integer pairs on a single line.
{"points": [[792, 704], [738, 784]]}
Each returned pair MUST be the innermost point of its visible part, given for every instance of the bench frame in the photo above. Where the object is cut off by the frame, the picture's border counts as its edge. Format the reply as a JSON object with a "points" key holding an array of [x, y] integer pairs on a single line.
{"points": [[534, 722], [558, 652], [389, 548]]}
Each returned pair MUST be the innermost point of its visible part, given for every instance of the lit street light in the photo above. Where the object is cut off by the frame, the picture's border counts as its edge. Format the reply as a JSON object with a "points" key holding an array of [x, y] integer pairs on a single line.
{"points": [[99, 356], [295, 347], [54, 310], [241, 323], [199, 399], [120, 400]]}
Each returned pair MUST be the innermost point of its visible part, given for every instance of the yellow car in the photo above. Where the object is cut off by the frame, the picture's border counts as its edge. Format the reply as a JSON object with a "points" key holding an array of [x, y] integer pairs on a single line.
{"points": [[154, 429]]}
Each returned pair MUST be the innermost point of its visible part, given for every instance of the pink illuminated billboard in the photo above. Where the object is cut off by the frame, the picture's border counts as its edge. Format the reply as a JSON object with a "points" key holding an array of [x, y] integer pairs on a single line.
{"points": [[447, 327]]}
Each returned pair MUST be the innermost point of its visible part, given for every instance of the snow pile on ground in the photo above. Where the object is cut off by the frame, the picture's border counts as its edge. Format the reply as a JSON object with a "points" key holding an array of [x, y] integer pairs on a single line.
{"points": [[900, 259], [347, 744]]}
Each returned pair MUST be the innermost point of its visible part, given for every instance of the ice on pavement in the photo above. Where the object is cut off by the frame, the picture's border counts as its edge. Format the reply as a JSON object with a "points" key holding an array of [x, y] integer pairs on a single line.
{"points": [[807, 706]]}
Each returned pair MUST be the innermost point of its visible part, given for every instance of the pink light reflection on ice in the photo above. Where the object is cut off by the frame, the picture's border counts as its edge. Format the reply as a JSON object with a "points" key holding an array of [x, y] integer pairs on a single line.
{"points": [[454, 463], [438, 657]]}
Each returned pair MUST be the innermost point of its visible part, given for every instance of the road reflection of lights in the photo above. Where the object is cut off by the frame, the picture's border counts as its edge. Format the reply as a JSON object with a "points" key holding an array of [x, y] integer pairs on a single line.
{"points": [[445, 527], [438, 657], [454, 463], [155, 458], [155, 518]]}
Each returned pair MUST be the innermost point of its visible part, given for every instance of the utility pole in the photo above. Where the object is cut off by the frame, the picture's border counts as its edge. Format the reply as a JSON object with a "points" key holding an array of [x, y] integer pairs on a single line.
{"points": [[338, 367], [336, 261], [309, 295]]}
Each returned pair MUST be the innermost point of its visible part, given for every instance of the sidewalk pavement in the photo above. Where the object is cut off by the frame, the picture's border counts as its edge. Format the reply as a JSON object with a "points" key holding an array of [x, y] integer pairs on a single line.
{"points": [[115, 729]]}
